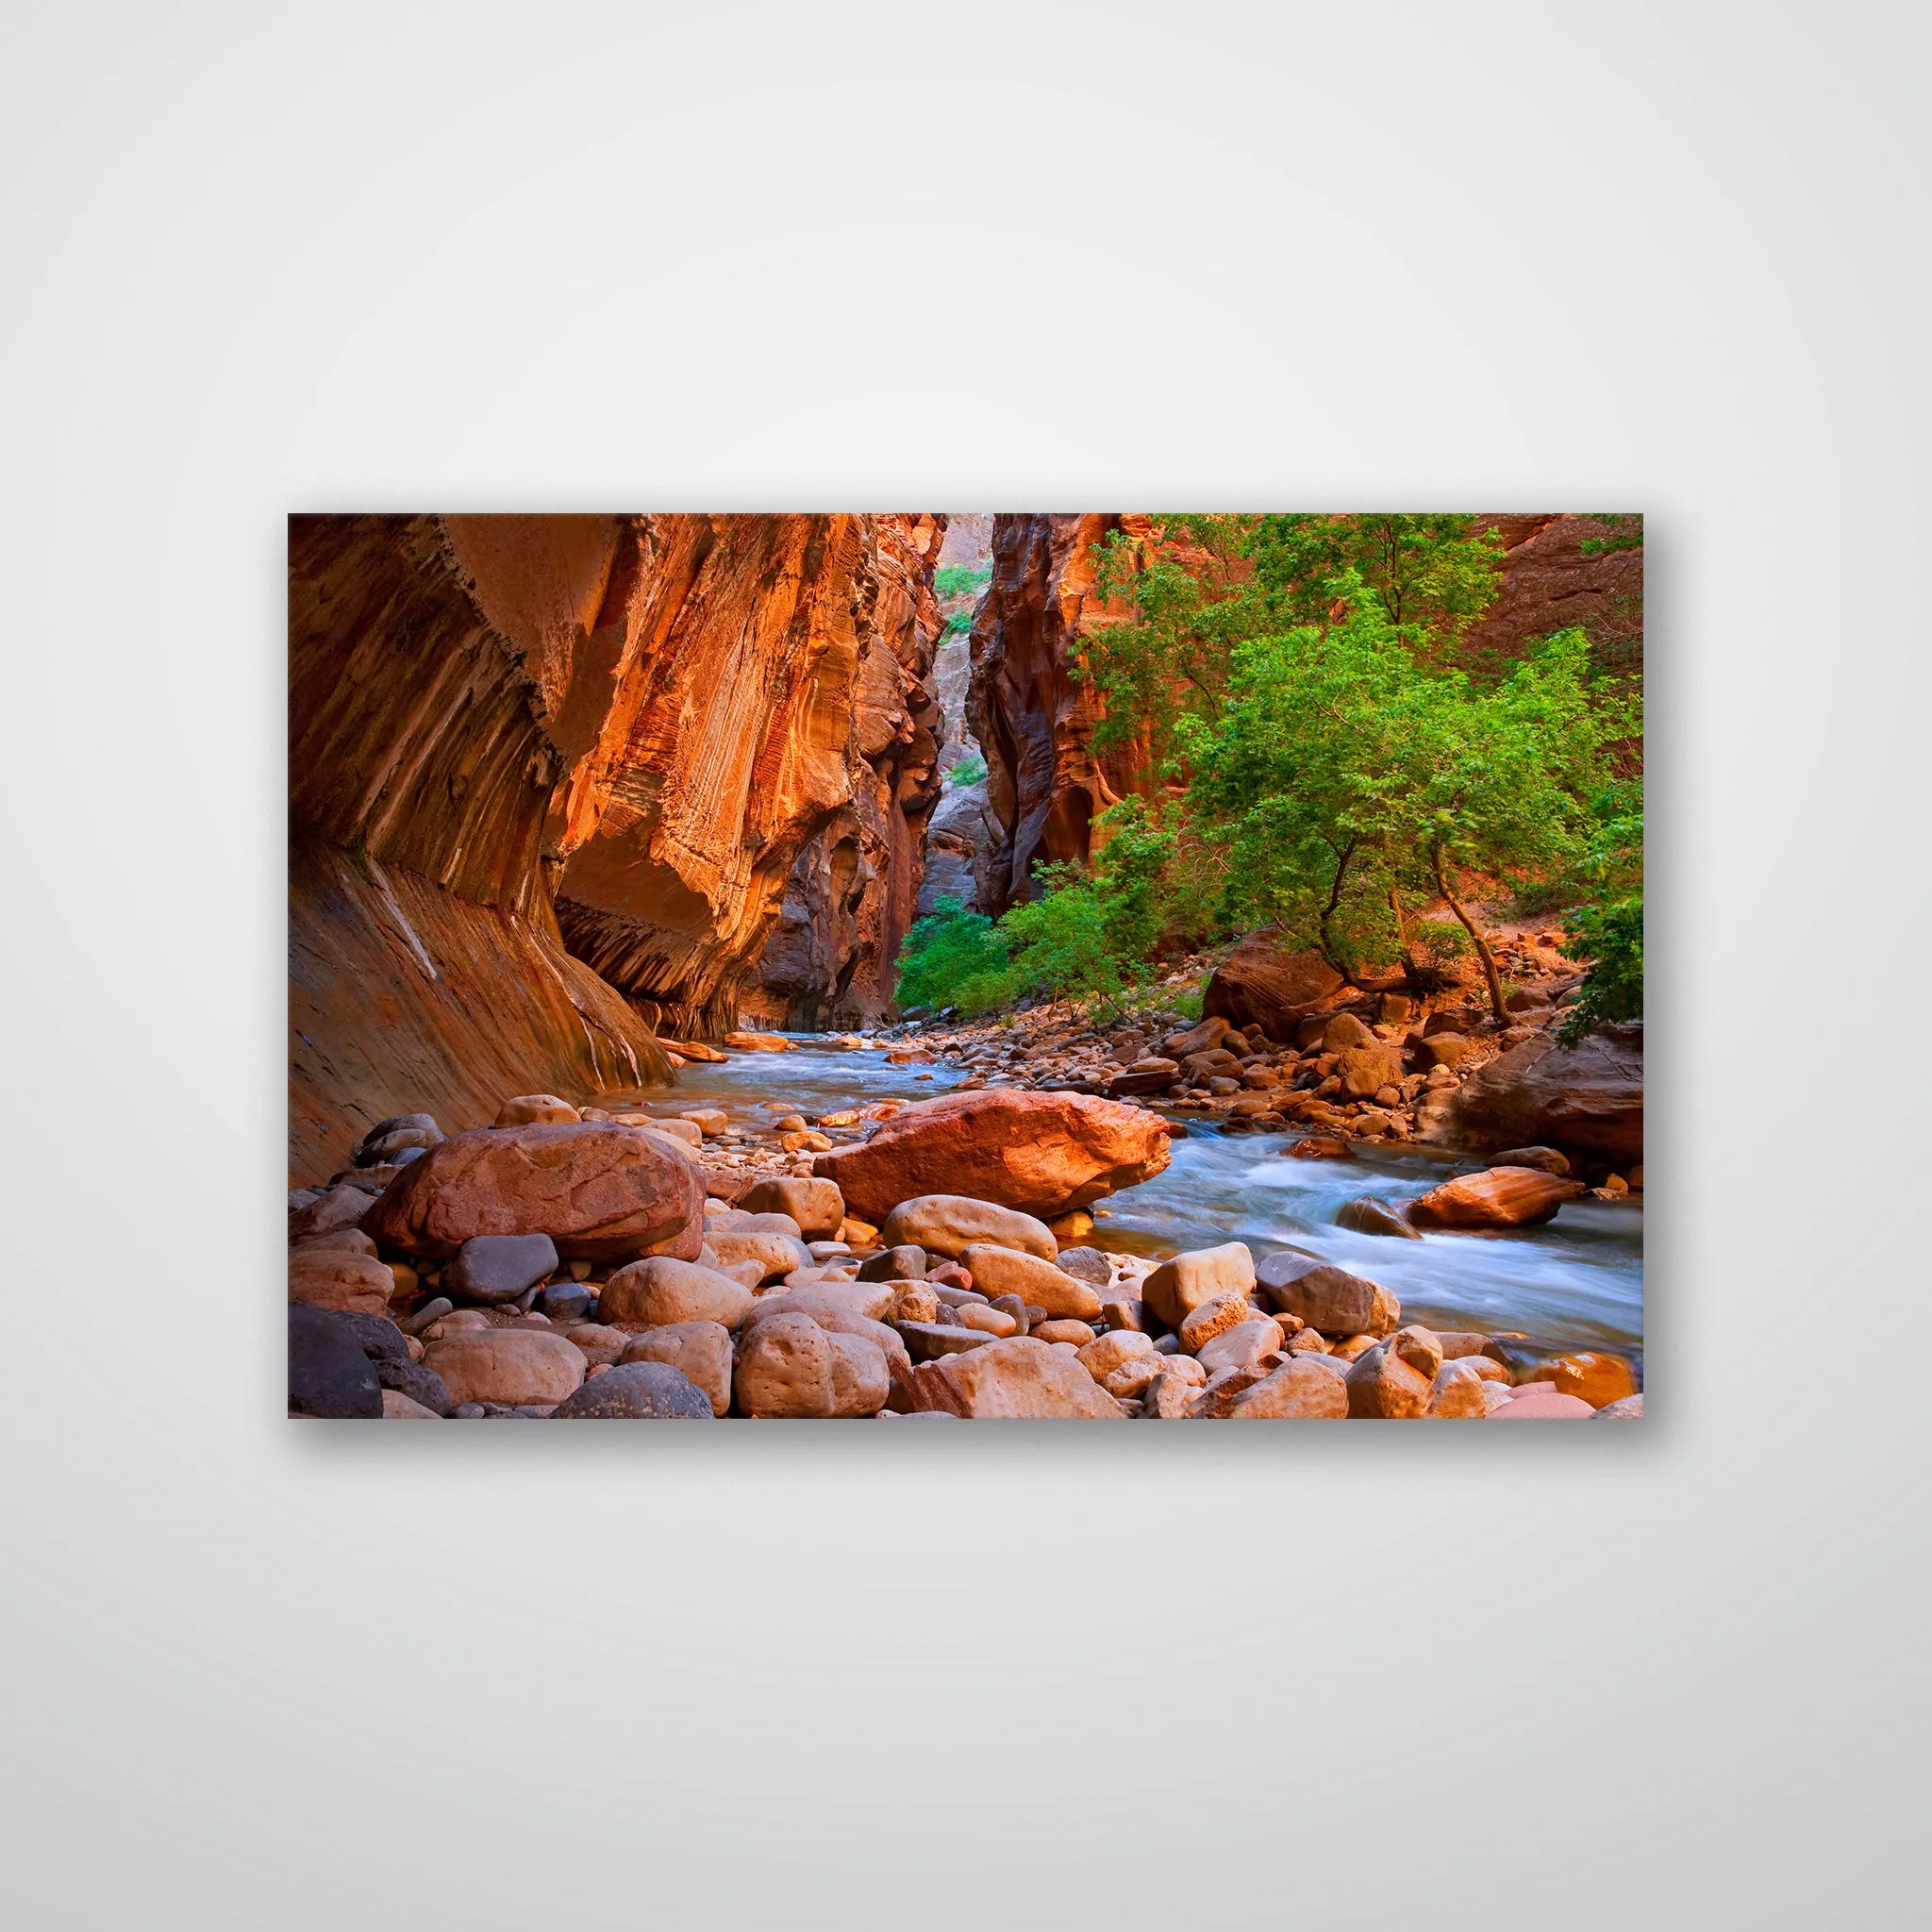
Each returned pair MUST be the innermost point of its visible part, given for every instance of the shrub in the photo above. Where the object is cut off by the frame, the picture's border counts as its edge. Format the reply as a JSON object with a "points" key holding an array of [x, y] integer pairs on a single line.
{"points": [[956, 580], [969, 771], [953, 958]]}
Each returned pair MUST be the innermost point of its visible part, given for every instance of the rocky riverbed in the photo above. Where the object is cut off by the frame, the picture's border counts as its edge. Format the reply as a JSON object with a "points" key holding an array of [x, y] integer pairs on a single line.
{"points": [[1026, 1219]]}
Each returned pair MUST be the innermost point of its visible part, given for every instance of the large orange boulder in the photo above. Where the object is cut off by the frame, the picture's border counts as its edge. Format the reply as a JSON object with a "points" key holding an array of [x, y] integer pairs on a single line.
{"points": [[1588, 1098], [1267, 985], [1039, 1153], [601, 1193], [1497, 1197]]}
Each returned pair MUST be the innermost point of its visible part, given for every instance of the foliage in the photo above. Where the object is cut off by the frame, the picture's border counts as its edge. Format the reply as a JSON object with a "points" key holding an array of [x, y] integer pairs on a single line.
{"points": [[1346, 772], [1607, 929], [1060, 944], [957, 579], [1434, 575], [969, 771], [958, 625], [953, 958], [1168, 659], [1626, 533]]}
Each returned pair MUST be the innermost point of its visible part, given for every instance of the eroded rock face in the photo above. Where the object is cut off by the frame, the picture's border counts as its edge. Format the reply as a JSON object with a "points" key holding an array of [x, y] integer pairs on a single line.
{"points": [[1588, 1098], [521, 747], [1039, 1153], [1045, 782]]}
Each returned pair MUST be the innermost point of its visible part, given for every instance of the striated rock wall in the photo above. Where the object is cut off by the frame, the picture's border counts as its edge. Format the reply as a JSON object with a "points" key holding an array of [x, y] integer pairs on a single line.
{"points": [[620, 734], [1045, 783], [1551, 582], [853, 888], [436, 670]]}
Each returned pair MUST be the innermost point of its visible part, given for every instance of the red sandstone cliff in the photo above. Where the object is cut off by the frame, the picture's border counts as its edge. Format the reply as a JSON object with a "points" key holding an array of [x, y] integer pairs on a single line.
{"points": [[852, 891], [516, 740], [1045, 783]]}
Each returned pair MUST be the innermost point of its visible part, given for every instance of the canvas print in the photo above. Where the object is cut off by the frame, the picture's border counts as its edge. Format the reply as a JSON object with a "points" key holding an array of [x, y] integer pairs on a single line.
{"points": [[902, 968]]}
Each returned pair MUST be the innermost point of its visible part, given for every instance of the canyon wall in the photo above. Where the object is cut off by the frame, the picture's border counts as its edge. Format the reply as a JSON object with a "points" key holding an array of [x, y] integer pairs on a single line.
{"points": [[1045, 783], [853, 888], [549, 777]]}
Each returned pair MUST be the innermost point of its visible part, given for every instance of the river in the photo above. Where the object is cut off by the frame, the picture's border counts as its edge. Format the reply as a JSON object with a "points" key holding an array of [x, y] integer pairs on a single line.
{"points": [[1575, 1283]]}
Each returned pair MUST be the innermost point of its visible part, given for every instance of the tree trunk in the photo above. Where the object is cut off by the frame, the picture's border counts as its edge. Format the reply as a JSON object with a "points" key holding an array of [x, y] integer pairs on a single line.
{"points": [[1329, 951], [1476, 937]]}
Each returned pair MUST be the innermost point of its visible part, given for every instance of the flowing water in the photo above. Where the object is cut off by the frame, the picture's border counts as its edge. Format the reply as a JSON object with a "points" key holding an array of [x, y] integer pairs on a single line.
{"points": [[1576, 1283]]}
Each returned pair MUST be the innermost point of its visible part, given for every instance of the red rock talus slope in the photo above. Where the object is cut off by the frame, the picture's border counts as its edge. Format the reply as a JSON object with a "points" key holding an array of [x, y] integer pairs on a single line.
{"points": [[618, 733], [1045, 783], [853, 891]]}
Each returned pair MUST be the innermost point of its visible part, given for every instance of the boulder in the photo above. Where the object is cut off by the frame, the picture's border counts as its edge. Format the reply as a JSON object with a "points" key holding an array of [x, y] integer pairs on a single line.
{"points": [[950, 1223], [708, 1121], [1455, 1394], [790, 1366], [1586, 1099], [1548, 1158], [1202, 1038], [1597, 1379], [836, 1318], [388, 1138], [660, 1291], [417, 1380], [757, 1043], [1153, 1076], [1324, 1297], [601, 1193], [1300, 1391], [327, 1211], [1019, 1380], [640, 1391], [699, 1351], [1203, 1322], [496, 1268], [1078, 1333], [1239, 1346], [1345, 1032], [816, 1206], [599, 1341], [396, 1406], [1039, 1153], [329, 1372], [339, 1279], [1368, 1216], [1539, 1403], [1088, 1265], [1364, 1071], [986, 1318], [1268, 984], [926, 1340], [1498, 1197], [1102, 1356], [686, 1133], [534, 1109], [776, 1254], [516, 1366], [1630, 1409], [1442, 1050], [1178, 1287], [905, 1263], [1040, 1284], [1381, 1385]]}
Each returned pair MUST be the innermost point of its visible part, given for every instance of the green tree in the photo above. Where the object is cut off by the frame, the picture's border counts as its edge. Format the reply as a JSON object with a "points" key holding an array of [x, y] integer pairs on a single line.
{"points": [[1345, 773], [1435, 575], [1607, 929]]}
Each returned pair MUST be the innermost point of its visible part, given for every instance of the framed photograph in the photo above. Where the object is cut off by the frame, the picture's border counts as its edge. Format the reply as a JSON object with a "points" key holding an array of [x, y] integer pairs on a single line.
{"points": [[1008, 966]]}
